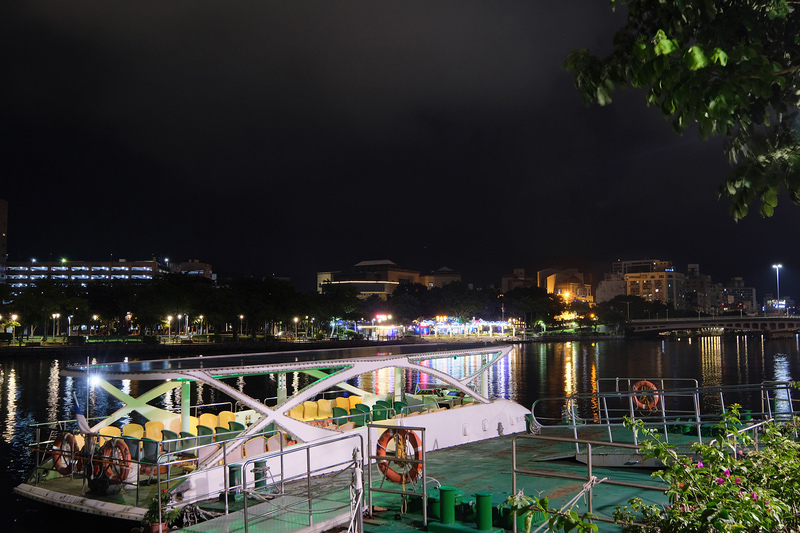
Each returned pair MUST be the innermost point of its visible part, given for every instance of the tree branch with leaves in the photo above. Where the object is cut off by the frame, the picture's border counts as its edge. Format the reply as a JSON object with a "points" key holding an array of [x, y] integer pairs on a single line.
{"points": [[731, 67]]}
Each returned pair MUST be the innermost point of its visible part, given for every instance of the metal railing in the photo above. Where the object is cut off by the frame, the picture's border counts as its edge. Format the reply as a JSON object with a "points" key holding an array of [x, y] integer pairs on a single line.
{"points": [[260, 485], [673, 410], [590, 480]]}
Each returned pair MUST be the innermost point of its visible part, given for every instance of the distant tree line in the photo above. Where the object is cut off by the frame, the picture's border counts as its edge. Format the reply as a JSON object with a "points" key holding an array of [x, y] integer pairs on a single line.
{"points": [[267, 304]]}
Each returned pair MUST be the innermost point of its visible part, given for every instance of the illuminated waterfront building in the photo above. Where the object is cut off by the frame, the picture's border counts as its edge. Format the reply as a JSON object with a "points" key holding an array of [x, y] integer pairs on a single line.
{"points": [[663, 285], [381, 278], [21, 274], [569, 284]]}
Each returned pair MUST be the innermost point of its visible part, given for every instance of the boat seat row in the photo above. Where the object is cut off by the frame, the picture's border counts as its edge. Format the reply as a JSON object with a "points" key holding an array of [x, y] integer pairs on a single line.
{"points": [[153, 429], [322, 409]]}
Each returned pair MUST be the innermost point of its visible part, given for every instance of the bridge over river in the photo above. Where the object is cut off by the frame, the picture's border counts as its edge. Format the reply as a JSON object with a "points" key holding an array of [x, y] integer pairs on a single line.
{"points": [[772, 325]]}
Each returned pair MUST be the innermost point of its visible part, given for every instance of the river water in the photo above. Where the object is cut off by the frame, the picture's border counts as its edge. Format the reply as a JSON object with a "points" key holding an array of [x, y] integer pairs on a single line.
{"points": [[31, 390]]}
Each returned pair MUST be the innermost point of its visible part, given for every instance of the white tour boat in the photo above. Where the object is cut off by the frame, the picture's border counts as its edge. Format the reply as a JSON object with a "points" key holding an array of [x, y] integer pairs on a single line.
{"points": [[118, 464]]}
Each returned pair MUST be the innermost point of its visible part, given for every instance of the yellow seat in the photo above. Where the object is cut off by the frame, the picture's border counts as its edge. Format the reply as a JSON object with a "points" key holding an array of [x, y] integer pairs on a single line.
{"points": [[354, 400], [310, 410], [109, 431], [174, 424], [225, 417], [297, 412], [341, 401], [153, 429], [209, 420], [324, 409], [133, 430]]}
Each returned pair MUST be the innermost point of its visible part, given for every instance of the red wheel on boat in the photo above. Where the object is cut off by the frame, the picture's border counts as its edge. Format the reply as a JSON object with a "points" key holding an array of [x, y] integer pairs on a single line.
{"points": [[648, 397], [65, 458], [406, 446], [116, 459]]}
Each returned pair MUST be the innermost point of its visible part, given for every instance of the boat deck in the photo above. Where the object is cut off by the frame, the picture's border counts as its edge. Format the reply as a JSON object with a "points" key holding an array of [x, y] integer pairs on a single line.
{"points": [[470, 468]]}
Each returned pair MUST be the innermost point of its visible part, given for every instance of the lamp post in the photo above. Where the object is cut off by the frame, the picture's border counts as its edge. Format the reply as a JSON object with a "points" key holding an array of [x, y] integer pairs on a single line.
{"points": [[295, 328], [169, 328], [241, 317], [778, 282]]}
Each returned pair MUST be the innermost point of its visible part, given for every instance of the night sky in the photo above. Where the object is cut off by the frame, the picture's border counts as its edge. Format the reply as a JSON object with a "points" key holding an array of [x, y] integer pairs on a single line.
{"points": [[288, 138]]}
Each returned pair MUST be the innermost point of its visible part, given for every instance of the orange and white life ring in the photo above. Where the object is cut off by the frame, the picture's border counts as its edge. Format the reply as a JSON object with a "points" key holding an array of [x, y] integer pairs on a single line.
{"points": [[116, 460], [648, 397], [65, 455], [407, 446]]}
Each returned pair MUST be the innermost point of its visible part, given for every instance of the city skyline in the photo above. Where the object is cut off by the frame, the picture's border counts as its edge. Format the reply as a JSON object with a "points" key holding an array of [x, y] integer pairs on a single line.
{"points": [[120, 269], [301, 138]]}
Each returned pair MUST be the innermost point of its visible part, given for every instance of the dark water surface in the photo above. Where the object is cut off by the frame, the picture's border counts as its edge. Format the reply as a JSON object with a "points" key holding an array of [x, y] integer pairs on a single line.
{"points": [[31, 391]]}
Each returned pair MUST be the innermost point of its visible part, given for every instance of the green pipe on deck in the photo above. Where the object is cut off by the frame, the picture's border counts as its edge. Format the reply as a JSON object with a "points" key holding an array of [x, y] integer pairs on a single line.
{"points": [[447, 504], [483, 509]]}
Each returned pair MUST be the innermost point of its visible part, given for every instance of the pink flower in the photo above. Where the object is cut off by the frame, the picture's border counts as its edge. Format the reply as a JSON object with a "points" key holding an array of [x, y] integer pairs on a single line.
{"points": [[727, 473], [699, 464], [738, 481], [755, 497], [719, 481]]}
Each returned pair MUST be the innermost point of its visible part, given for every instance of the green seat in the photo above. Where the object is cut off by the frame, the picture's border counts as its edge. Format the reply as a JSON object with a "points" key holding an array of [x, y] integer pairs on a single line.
{"points": [[225, 434], [236, 426], [383, 403], [380, 413], [133, 445], [205, 435], [400, 408], [359, 417], [340, 415], [364, 408], [169, 440], [149, 457], [188, 440]]}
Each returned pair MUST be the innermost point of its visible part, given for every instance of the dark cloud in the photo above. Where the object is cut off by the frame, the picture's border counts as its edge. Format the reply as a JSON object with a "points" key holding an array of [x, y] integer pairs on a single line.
{"points": [[291, 137]]}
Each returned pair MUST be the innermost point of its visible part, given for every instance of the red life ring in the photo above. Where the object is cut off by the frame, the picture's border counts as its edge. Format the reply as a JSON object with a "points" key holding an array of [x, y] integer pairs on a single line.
{"points": [[116, 460], [648, 399], [410, 442], [65, 455]]}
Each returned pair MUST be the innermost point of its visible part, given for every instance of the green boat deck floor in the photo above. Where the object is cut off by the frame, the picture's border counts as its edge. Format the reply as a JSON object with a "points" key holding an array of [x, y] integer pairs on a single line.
{"points": [[470, 468]]}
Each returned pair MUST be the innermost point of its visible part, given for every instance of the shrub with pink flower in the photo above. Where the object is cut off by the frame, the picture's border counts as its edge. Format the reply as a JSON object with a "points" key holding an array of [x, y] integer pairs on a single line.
{"points": [[762, 496]]}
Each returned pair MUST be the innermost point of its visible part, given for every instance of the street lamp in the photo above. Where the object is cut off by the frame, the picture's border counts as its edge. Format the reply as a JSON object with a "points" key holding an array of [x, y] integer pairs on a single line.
{"points": [[295, 328], [241, 317], [778, 282], [169, 327]]}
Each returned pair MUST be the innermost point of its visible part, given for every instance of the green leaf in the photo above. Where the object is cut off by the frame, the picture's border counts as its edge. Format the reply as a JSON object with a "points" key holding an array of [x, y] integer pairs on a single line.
{"points": [[663, 46], [695, 58], [770, 196], [719, 56]]}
